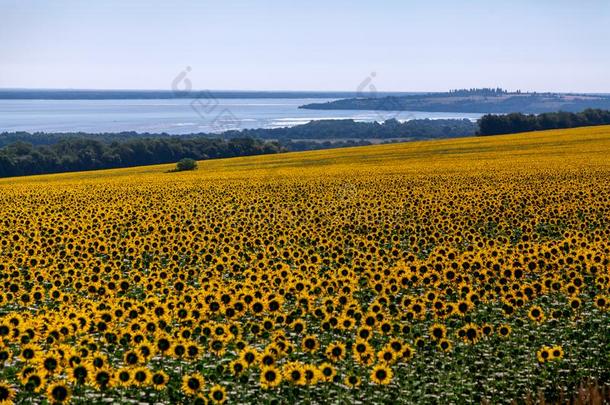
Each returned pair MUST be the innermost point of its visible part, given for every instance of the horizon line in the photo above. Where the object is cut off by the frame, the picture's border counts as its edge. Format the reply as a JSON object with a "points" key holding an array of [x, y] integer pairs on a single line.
{"points": [[292, 91]]}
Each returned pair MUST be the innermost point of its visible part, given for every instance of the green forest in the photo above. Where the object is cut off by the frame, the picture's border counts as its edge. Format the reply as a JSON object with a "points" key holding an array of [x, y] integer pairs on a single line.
{"points": [[492, 124]]}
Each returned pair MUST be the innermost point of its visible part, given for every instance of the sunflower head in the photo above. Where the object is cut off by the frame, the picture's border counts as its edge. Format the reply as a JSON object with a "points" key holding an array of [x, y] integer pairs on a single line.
{"points": [[445, 345], [218, 394], [7, 394], [544, 354], [123, 377], [33, 381], [141, 376], [310, 343], [238, 366], [327, 372], [557, 353], [294, 373], [58, 393], [159, 380], [504, 331], [335, 351], [381, 375], [192, 384], [80, 373], [101, 378], [352, 381], [270, 377], [536, 314]]}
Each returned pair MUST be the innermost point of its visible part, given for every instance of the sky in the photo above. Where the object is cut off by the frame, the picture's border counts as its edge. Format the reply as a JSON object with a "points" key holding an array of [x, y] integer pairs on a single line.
{"points": [[432, 45]]}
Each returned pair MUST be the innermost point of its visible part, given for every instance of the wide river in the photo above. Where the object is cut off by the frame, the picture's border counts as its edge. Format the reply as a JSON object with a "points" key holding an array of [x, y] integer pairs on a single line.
{"points": [[179, 116]]}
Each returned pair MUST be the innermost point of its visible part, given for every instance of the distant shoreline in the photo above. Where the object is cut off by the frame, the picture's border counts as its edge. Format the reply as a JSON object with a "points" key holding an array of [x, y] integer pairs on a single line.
{"points": [[75, 94], [484, 101]]}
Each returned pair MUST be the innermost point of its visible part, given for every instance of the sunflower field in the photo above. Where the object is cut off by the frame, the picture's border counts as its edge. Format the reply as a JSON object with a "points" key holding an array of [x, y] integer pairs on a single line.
{"points": [[461, 271]]}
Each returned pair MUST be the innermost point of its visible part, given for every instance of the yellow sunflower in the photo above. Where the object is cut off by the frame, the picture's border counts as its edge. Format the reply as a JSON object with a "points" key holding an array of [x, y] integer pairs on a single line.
{"points": [[58, 393], [382, 374], [218, 394], [270, 377], [192, 384], [7, 394]]}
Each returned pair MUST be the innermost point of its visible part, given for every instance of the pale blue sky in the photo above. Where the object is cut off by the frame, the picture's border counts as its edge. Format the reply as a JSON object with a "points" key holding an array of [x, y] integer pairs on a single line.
{"points": [[559, 45]]}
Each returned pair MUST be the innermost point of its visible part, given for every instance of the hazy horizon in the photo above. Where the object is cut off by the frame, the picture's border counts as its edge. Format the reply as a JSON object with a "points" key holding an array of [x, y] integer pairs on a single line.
{"points": [[554, 46], [279, 91]]}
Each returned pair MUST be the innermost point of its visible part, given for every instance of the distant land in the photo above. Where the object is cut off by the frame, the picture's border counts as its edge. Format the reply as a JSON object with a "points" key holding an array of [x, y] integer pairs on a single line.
{"points": [[24, 153], [314, 131], [75, 94], [486, 100]]}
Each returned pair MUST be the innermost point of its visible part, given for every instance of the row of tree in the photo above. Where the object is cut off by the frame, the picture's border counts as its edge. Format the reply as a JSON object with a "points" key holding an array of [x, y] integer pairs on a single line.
{"points": [[486, 91], [350, 129], [330, 130], [78, 154], [492, 124]]}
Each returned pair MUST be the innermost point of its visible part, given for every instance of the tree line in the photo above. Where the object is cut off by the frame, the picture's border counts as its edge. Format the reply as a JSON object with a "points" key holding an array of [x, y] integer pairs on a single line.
{"points": [[350, 129], [330, 130], [79, 154], [485, 91], [492, 124]]}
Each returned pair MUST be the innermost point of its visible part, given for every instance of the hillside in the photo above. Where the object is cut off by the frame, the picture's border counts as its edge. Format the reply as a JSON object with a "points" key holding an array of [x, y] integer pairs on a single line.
{"points": [[404, 273], [589, 145], [501, 103]]}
